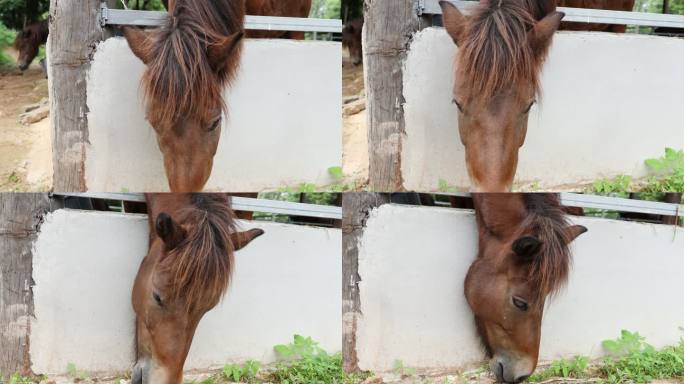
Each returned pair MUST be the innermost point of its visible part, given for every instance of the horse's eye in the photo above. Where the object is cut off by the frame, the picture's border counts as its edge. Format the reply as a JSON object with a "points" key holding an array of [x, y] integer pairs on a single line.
{"points": [[520, 303], [215, 125], [460, 107], [529, 108], [157, 298]]}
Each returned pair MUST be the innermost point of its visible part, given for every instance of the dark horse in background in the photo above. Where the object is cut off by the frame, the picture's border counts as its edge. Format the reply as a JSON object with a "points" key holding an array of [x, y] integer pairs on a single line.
{"points": [[352, 40], [277, 8], [188, 267], [28, 42], [613, 5], [523, 257]]}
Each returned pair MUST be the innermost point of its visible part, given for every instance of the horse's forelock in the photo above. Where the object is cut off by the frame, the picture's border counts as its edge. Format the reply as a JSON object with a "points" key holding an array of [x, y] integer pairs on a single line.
{"points": [[201, 267], [495, 54], [179, 81]]}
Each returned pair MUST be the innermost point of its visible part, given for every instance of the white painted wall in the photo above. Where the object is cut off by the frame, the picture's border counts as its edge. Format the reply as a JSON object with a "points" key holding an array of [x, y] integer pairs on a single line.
{"points": [[284, 126], [609, 103], [413, 261], [286, 282]]}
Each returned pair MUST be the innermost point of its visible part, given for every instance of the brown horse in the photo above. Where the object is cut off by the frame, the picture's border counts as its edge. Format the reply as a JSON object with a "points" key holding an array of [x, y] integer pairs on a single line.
{"points": [[190, 60], [185, 273], [280, 8], [276, 8], [28, 42], [503, 45], [351, 38], [523, 257], [613, 5]]}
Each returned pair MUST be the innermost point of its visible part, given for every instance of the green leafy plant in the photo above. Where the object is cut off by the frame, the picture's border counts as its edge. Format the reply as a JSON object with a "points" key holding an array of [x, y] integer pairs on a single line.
{"points": [[6, 40], [304, 361], [402, 370], [633, 360], [75, 373], [668, 172], [573, 368], [246, 372], [618, 186]]}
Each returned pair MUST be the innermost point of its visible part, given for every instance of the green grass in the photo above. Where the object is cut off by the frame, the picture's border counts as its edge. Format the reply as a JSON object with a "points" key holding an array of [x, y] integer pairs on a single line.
{"points": [[302, 361], [573, 368], [666, 175], [630, 360]]}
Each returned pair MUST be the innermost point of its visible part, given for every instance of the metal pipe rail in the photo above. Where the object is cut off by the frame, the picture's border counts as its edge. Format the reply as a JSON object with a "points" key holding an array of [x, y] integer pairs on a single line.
{"points": [[611, 204], [110, 16], [239, 204], [580, 15]]}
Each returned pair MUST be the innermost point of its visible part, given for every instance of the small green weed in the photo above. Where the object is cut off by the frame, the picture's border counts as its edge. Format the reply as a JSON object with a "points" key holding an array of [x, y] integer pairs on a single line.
{"points": [[574, 368], [445, 187], [402, 370], [75, 373], [668, 172], [617, 187], [16, 378], [304, 361], [246, 372], [633, 360]]}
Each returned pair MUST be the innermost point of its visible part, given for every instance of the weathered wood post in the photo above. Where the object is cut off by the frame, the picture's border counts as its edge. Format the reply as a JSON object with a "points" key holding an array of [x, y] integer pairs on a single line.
{"points": [[21, 215], [356, 208], [74, 33], [389, 27]]}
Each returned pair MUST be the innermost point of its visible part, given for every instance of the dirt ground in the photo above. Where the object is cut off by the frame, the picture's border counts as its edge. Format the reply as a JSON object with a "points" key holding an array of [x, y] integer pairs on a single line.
{"points": [[354, 131], [25, 151]]}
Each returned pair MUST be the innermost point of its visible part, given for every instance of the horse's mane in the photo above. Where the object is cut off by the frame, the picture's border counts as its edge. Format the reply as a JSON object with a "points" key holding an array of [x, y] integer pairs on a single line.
{"points": [[179, 80], [548, 223], [495, 54], [37, 36], [201, 266]]}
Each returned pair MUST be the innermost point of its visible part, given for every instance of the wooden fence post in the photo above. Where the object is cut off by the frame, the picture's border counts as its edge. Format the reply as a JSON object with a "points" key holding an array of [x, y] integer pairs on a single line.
{"points": [[388, 30], [355, 207], [74, 33], [21, 215]]}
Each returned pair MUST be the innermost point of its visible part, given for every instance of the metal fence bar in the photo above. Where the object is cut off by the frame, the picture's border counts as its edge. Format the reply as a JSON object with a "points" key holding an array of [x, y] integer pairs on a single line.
{"points": [[239, 204], [622, 205], [581, 15], [263, 23], [610, 204]]}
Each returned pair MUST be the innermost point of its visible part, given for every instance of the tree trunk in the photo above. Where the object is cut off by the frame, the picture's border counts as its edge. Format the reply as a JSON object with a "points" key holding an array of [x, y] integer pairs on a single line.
{"points": [[21, 215], [356, 208], [387, 33], [75, 31]]}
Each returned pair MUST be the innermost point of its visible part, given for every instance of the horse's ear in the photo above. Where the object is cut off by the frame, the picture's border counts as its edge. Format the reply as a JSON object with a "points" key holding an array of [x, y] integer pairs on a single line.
{"points": [[219, 53], [572, 232], [541, 35], [527, 247], [140, 42], [454, 21], [241, 239], [169, 231]]}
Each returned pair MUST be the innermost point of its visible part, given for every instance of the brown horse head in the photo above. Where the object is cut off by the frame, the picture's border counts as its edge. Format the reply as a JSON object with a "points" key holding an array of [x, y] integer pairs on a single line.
{"points": [[28, 42], [184, 275], [502, 46], [351, 38], [189, 62], [523, 257]]}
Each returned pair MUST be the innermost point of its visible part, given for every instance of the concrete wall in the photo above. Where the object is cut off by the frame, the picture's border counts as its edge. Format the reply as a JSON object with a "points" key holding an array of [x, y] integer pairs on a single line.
{"points": [[413, 261], [284, 126], [609, 103], [286, 282]]}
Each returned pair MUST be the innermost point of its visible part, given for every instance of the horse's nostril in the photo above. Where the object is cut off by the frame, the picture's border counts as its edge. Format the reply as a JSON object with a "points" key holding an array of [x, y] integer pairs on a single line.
{"points": [[521, 378]]}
